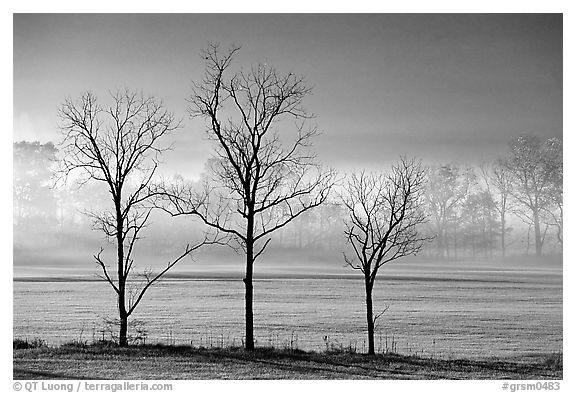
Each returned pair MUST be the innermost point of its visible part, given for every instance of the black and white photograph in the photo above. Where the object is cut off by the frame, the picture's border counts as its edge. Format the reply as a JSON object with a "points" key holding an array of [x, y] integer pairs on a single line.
{"points": [[286, 196]]}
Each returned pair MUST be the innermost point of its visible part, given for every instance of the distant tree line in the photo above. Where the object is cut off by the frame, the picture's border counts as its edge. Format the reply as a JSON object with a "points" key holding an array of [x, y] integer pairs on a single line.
{"points": [[515, 202], [491, 210]]}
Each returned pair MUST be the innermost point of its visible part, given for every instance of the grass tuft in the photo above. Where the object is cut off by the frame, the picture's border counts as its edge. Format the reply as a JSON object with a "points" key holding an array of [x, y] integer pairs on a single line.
{"points": [[553, 361], [19, 343]]}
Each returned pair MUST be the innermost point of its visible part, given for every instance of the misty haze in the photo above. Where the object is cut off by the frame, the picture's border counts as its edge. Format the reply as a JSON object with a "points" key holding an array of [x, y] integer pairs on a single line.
{"points": [[213, 190]]}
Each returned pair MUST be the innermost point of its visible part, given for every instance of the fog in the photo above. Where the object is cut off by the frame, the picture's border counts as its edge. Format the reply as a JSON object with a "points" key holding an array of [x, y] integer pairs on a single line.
{"points": [[456, 91], [54, 234]]}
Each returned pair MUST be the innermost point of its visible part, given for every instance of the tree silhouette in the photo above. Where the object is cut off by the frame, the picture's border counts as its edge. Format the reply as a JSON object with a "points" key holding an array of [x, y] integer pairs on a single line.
{"points": [[119, 145], [262, 179], [384, 215]]}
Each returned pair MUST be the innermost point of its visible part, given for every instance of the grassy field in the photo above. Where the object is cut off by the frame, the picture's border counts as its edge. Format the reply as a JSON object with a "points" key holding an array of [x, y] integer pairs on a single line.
{"points": [[185, 362], [467, 313]]}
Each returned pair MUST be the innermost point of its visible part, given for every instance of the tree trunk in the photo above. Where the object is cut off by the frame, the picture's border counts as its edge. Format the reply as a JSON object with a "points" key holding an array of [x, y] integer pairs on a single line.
{"points": [[369, 315], [123, 336], [503, 234], [441, 248], [561, 227], [248, 285], [123, 341], [528, 239], [484, 242], [249, 311], [455, 243], [537, 234], [491, 238]]}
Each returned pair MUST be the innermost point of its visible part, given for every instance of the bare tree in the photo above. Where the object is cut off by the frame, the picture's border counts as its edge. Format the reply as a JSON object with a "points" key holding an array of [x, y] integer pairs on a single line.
{"points": [[261, 179], [119, 146], [479, 220], [555, 215], [555, 210], [535, 167], [384, 215], [498, 182], [448, 187], [34, 200]]}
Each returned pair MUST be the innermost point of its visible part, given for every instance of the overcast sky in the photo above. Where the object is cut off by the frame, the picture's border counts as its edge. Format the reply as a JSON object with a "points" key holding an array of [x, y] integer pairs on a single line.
{"points": [[439, 87]]}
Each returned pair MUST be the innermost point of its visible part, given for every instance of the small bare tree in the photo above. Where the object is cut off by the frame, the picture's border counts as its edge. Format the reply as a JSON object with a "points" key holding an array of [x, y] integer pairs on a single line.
{"points": [[119, 146], [384, 215], [261, 179]]}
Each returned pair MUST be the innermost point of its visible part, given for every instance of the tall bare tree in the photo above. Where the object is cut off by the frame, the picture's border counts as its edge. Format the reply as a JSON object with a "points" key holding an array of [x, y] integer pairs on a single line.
{"points": [[535, 167], [262, 179], [119, 145], [384, 215]]}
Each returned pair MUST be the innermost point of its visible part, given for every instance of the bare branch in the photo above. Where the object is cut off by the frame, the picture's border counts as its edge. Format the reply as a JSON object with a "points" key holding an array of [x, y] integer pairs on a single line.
{"points": [[384, 215], [258, 178], [104, 270], [153, 278]]}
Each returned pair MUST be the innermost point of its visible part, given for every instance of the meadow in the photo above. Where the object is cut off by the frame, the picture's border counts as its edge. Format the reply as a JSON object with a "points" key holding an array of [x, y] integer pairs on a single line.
{"points": [[434, 311]]}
